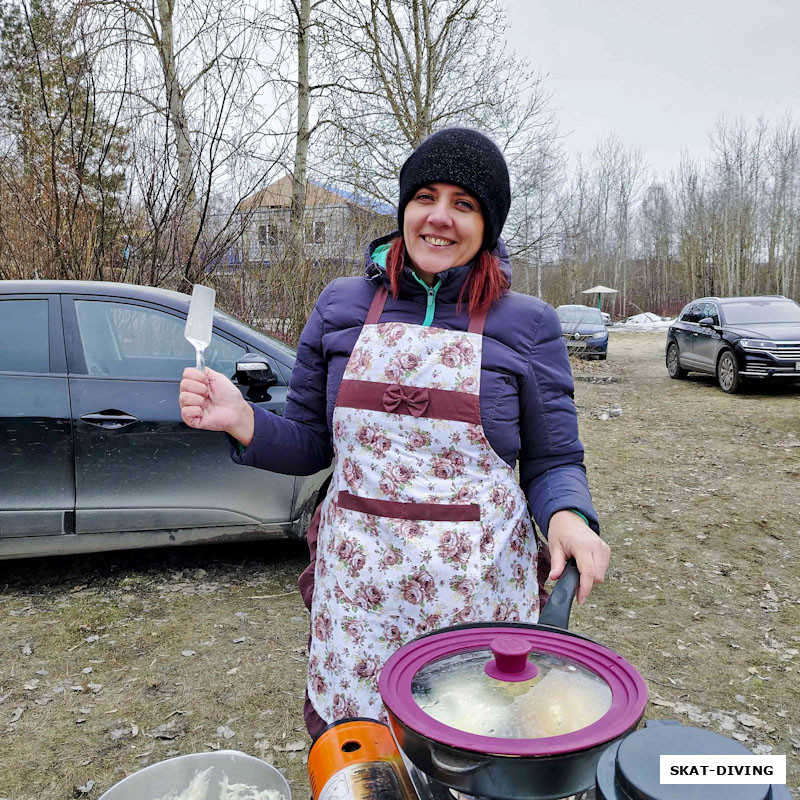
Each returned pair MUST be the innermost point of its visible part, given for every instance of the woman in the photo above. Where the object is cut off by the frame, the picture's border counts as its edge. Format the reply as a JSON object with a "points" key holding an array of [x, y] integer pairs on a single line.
{"points": [[425, 383]]}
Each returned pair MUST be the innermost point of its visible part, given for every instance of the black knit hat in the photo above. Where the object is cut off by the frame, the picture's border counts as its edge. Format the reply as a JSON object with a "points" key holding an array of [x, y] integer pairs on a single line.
{"points": [[468, 159]]}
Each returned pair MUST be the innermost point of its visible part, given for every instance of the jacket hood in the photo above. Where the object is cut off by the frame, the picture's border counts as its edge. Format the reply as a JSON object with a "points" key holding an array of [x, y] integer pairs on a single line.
{"points": [[452, 279]]}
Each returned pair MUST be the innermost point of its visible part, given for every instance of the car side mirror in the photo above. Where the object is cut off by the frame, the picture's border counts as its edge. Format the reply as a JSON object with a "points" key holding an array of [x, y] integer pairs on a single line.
{"points": [[706, 322], [252, 369]]}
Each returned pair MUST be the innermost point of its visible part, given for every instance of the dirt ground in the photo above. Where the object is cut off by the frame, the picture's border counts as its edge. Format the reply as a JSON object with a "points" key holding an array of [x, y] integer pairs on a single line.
{"points": [[112, 662]]}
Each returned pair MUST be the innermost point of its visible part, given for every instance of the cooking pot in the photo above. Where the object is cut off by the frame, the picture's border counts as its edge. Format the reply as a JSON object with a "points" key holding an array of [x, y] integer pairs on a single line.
{"points": [[512, 711]]}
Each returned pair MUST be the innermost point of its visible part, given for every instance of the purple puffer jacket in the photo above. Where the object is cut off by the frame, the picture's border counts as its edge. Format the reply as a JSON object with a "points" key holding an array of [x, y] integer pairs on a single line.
{"points": [[526, 395]]}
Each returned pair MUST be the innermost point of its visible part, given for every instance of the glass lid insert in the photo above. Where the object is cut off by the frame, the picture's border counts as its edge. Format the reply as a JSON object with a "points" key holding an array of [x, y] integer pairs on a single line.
{"points": [[562, 698]]}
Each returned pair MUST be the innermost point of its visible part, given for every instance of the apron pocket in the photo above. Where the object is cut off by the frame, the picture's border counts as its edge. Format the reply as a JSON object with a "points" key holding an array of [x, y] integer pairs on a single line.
{"points": [[419, 562], [428, 512]]}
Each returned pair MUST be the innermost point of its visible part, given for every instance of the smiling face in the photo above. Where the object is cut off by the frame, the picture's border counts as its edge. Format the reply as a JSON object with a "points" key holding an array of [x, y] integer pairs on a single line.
{"points": [[442, 228]]}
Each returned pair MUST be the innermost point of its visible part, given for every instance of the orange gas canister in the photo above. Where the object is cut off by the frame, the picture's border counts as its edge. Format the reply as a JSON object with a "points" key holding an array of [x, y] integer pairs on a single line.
{"points": [[357, 759]]}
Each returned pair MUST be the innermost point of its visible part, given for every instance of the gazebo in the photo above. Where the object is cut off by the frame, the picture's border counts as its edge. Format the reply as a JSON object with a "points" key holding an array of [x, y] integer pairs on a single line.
{"points": [[599, 291]]}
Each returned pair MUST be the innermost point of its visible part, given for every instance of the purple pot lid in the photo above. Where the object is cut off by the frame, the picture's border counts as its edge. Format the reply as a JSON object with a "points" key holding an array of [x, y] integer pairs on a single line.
{"points": [[478, 689]]}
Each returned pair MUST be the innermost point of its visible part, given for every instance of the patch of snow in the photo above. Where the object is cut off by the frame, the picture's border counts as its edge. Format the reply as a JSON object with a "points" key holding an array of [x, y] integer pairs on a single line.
{"points": [[646, 321], [643, 318]]}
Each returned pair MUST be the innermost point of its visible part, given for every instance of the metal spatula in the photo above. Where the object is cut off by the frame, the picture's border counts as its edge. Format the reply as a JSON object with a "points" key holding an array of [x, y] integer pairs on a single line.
{"points": [[200, 321]]}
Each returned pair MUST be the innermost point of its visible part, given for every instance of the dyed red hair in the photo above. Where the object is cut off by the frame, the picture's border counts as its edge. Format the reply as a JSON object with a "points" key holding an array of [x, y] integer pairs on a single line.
{"points": [[486, 282]]}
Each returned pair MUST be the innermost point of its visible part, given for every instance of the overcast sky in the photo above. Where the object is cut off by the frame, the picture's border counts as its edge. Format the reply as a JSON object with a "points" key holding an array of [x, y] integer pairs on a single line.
{"points": [[659, 73]]}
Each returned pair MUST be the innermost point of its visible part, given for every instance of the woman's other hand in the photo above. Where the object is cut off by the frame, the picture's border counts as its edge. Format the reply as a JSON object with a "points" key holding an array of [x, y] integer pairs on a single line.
{"points": [[570, 537], [211, 402]]}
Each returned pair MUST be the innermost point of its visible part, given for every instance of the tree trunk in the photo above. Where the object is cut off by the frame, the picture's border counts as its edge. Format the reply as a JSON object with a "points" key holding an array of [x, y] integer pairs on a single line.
{"points": [[296, 259], [176, 105], [299, 179]]}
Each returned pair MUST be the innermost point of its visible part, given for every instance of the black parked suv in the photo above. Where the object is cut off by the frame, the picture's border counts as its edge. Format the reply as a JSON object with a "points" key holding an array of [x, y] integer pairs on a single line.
{"points": [[93, 452], [736, 338]]}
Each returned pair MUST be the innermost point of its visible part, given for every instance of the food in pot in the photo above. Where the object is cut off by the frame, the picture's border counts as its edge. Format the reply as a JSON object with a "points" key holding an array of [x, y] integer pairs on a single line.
{"points": [[199, 789], [562, 702], [464, 702], [561, 699], [243, 791], [196, 790]]}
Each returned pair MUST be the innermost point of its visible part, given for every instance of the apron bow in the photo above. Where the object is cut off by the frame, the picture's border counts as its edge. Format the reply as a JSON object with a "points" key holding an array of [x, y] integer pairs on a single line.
{"points": [[415, 398]]}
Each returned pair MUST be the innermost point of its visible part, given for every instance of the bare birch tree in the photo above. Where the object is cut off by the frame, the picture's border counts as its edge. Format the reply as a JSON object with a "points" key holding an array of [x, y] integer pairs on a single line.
{"points": [[782, 218], [205, 109], [577, 222], [405, 68], [619, 174], [693, 229], [533, 229], [735, 172], [655, 227]]}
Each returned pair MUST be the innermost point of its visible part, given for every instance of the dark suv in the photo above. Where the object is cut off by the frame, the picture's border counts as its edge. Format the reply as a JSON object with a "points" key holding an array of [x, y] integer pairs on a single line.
{"points": [[93, 452], [736, 338]]}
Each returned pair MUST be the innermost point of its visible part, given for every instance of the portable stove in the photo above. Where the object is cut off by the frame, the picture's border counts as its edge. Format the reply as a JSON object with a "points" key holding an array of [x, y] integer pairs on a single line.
{"points": [[428, 789]]}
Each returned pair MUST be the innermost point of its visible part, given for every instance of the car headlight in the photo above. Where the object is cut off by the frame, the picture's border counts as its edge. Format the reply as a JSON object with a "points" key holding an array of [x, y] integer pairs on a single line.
{"points": [[599, 335], [757, 344]]}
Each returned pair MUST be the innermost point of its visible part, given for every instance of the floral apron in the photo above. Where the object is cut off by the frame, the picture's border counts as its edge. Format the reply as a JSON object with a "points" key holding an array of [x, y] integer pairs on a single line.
{"points": [[424, 525]]}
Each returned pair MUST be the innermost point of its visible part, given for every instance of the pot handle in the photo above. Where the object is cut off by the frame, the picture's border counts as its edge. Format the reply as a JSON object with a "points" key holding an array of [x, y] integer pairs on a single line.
{"points": [[559, 604], [452, 764]]}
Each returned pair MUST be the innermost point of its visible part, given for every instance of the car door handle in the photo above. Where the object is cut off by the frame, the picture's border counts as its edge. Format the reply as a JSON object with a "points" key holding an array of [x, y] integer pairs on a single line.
{"points": [[111, 418]]}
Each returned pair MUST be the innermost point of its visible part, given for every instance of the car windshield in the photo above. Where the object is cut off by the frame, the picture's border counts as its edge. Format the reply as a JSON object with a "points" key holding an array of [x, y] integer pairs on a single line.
{"points": [[579, 314], [750, 312]]}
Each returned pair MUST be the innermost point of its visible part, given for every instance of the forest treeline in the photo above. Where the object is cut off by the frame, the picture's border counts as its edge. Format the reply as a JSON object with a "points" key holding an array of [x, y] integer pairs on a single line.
{"points": [[131, 131]]}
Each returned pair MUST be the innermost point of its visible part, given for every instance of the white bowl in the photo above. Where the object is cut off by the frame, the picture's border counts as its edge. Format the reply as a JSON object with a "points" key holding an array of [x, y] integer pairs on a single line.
{"points": [[175, 775]]}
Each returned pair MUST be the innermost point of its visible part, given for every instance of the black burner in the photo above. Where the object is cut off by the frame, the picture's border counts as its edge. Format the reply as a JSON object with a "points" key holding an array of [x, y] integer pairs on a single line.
{"points": [[428, 789]]}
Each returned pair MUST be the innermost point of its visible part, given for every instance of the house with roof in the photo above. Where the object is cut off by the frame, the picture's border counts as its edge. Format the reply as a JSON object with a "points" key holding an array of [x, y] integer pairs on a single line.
{"points": [[338, 224]]}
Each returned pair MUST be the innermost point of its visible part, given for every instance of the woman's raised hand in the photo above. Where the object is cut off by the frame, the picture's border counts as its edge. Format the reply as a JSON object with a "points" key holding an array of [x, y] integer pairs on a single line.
{"points": [[211, 402], [568, 536]]}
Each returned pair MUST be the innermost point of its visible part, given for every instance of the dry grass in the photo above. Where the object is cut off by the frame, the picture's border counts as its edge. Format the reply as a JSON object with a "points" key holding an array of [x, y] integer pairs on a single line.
{"points": [[129, 618], [699, 497]]}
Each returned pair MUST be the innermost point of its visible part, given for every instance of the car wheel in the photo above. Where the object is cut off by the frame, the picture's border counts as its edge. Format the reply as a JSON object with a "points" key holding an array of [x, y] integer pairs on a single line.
{"points": [[674, 367], [728, 373], [602, 356]]}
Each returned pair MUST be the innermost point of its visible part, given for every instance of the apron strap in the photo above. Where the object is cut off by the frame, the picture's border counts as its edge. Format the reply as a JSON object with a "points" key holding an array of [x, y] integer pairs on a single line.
{"points": [[476, 322], [376, 307]]}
